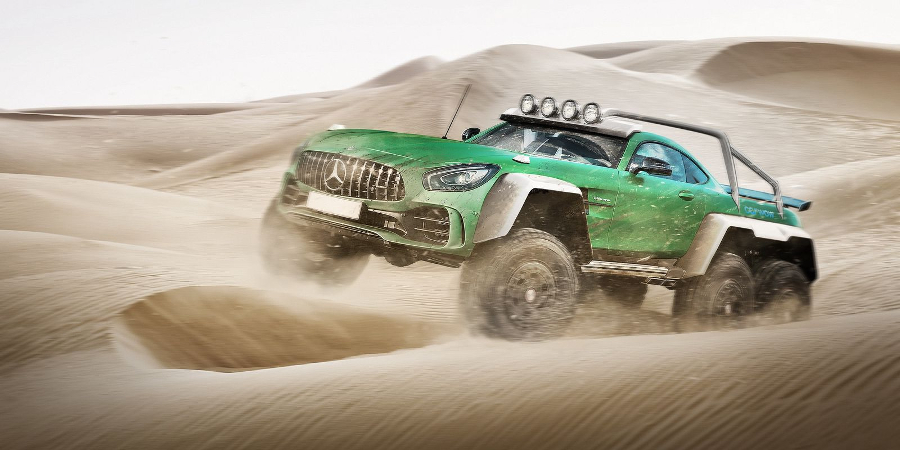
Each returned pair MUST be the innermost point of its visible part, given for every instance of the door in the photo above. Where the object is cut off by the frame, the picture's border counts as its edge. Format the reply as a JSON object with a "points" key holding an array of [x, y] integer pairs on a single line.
{"points": [[658, 215]]}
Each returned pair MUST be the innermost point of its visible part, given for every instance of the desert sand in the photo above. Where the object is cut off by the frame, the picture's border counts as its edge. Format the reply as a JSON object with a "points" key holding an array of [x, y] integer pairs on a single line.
{"points": [[135, 312]]}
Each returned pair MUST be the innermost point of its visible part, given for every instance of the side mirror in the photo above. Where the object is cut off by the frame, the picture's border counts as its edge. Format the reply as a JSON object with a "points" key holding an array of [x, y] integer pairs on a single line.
{"points": [[651, 165], [470, 133]]}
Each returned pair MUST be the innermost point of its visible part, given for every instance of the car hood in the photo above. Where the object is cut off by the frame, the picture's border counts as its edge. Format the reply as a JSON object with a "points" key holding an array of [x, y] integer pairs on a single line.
{"points": [[404, 150]]}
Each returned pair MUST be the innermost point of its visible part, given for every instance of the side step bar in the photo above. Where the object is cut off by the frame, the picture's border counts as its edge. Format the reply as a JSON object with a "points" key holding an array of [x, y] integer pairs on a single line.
{"points": [[656, 275], [620, 268]]}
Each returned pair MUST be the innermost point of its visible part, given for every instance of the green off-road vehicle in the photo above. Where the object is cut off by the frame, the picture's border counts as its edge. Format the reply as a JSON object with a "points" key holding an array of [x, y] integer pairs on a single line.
{"points": [[552, 201]]}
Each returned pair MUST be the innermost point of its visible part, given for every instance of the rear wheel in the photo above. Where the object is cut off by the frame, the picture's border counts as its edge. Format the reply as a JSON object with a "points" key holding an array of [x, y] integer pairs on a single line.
{"points": [[719, 298], [520, 287], [289, 249], [783, 292]]}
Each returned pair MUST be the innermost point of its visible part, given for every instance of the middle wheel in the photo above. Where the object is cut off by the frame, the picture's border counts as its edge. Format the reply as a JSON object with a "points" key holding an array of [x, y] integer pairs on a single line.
{"points": [[520, 287], [719, 298]]}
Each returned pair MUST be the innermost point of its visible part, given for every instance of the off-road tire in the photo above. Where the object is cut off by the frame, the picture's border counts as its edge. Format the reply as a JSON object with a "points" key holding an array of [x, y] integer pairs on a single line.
{"points": [[721, 297], [519, 287], [782, 292], [291, 250]]}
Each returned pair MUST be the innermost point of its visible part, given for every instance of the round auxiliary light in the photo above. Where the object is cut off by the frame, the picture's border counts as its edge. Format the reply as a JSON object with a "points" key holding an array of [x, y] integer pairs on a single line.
{"points": [[527, 104], [569, 110], [591, 113], [548, 107]]}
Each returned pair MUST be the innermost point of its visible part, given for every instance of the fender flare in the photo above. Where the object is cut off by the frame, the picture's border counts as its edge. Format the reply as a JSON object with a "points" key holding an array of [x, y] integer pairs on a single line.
{"points": [[713, 229], [504, 201]]}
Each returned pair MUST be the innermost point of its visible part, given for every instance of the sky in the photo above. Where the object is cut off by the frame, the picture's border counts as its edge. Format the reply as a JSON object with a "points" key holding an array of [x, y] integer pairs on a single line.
{"points": [[117, 52]]}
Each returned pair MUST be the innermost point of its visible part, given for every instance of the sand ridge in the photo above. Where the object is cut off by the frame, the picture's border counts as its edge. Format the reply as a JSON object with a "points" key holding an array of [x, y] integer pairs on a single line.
{"points": [[230, 328]]}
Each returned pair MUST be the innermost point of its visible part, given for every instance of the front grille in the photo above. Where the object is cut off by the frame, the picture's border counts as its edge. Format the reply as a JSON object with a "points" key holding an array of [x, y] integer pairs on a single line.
{"points": [[427, 224], [350, 177]]}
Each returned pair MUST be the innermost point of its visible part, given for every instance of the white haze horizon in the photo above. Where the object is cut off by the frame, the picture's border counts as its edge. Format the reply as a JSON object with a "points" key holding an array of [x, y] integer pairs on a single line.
{"points": [[106, 52]]}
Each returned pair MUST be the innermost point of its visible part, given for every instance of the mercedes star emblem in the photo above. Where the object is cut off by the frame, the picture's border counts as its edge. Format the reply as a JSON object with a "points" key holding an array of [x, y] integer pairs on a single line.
{"points": [[335, 172]]}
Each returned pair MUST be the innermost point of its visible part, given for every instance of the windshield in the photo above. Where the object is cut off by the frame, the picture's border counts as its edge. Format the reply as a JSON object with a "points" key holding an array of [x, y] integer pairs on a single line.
{"points": [[567, 145]]}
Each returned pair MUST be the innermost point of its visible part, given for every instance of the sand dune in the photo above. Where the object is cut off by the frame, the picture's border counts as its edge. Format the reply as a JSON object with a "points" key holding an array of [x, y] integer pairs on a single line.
{"points": [[603, 51], [130, 281], [396, 75], [116, 213], [404, 72], [829, 76], [126, 149], [148, 110]]}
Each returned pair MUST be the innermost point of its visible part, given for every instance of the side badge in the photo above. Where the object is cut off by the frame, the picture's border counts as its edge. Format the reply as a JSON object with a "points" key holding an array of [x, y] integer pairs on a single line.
{"points": [[524, 159]]}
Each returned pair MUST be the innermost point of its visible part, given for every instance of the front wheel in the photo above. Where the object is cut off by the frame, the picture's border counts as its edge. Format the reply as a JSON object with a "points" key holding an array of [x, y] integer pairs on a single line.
{"points": [[520, 287], [289, 249]]}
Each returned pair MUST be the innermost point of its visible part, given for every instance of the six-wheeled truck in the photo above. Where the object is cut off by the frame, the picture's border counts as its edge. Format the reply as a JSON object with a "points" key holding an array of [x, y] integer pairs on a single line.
{"points": [[553, 200]]}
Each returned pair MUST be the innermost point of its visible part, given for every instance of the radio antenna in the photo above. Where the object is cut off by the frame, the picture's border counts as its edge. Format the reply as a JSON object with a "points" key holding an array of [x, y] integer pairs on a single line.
{"points": [[457, 110]]}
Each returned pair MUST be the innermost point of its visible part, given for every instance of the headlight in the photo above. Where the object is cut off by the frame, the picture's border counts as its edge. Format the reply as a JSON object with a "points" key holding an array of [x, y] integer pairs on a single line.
{"points": [[463, 177], [548, 107], [527, 105], [591, 113], [569, 110]]}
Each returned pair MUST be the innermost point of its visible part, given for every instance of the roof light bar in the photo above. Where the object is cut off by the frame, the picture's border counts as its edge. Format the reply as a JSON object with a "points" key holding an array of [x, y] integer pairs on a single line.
{"points": [[570, 110]]}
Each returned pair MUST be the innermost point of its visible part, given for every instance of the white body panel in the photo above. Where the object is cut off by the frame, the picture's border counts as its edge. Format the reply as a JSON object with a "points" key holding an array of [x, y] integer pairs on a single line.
{"points": [[712, 231], [505, 200]]}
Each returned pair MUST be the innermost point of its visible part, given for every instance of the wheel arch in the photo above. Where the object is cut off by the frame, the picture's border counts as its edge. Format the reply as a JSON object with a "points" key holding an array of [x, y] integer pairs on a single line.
{"points": [[522, 200], [755, 240]]}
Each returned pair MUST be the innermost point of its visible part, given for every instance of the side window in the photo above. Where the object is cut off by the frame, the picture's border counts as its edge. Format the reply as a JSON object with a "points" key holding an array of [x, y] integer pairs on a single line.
{"points": [[669, 155], [693, 173]]}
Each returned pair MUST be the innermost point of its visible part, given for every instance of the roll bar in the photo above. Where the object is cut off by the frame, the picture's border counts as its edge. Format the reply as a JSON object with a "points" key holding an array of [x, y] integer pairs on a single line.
{"points": [[728, 152]]}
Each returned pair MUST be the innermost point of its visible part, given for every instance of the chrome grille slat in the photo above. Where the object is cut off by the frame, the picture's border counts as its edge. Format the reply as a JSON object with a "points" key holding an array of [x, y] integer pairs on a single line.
{"points": [[378, 180], [345, 185], [302, 169], [373, 181], [369, 182], [359, 179], [320, 167], [353, 172]]}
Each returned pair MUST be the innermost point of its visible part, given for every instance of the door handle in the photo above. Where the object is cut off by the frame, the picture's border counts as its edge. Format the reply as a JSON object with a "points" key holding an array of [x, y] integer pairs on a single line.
{"points": [[686, 195]]}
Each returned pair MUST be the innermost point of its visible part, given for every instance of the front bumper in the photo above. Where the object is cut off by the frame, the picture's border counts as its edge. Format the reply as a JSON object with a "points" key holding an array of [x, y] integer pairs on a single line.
{"points": [[429, 230]]}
